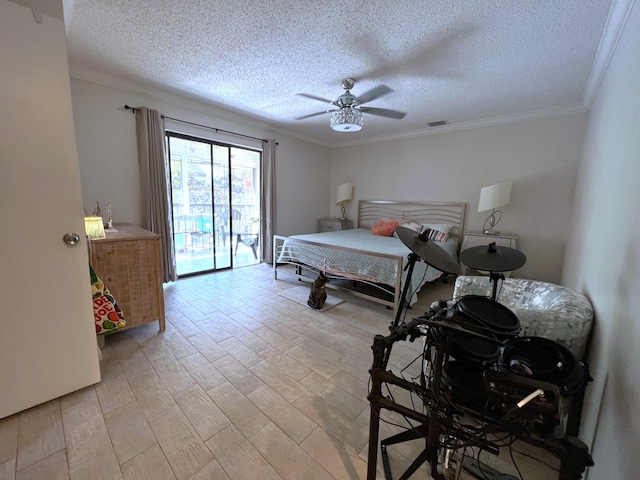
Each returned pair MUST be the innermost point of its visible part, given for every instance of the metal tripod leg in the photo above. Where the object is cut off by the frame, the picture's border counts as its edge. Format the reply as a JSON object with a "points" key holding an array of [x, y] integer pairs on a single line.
{"points": [[374, 398], [494, 277], [429, 427], [420, 431], [413, 434]]}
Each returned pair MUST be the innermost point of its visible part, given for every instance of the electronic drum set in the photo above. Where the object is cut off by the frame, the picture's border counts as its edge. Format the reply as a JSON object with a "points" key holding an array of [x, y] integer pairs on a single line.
{"points": [[480, 381]]}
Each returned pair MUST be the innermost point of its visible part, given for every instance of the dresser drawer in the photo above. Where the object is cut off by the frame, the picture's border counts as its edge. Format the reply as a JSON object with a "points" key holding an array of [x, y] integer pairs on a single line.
{"points": [[333, 224]]}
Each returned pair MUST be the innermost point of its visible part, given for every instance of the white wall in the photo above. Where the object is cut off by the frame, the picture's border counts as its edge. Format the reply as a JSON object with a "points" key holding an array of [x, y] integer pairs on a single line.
{"points": [[108, 154], [603, 261], [541, 156]]}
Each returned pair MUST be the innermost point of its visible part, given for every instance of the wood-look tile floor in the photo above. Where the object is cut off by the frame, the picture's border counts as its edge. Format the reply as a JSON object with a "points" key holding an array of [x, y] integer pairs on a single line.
{"points": [[243, 384]]}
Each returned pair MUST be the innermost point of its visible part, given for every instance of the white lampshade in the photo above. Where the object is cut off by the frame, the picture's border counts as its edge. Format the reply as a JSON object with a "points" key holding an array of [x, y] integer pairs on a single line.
{"points": [[94, 227], [344, 194], [494, 196]]}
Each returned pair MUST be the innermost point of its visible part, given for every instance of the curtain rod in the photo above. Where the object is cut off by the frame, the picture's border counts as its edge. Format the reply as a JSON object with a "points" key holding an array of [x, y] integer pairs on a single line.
{"points": [[133, 110]]}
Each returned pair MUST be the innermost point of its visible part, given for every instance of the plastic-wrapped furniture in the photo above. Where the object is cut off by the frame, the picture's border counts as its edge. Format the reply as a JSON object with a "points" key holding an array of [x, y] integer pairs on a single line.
{"points": [[544, 309]]}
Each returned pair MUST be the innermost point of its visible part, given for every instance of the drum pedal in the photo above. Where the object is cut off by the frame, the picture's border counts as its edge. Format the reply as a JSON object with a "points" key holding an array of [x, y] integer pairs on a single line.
{"points": [[483, 471]]}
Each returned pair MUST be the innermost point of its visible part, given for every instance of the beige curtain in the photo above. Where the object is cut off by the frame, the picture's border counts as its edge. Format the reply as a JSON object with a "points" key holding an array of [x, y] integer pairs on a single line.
{"points": [[154, 183], [268, 201]]}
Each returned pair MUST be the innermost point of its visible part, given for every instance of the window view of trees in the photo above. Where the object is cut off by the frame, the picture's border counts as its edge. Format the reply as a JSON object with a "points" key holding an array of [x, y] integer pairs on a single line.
{"points": [[210, 184]]}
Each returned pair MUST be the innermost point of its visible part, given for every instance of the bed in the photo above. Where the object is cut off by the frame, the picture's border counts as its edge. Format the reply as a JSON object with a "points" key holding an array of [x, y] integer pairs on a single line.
{"points": [[370, 266]]}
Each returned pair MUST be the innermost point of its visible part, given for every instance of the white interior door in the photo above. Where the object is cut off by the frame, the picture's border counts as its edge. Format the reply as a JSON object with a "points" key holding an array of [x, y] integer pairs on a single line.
{"points": [[47, 333]]}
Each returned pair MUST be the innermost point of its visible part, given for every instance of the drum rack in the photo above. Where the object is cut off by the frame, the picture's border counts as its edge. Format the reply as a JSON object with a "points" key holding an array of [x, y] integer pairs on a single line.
{"points": [[436, 419]]}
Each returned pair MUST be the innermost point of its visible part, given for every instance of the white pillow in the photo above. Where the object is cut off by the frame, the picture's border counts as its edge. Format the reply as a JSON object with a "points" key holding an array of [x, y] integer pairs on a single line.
{"points": [[415, 226]]}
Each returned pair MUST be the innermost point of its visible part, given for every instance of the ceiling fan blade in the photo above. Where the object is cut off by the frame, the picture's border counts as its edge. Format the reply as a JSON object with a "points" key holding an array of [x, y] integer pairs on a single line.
{"points": [[314, 114], [373, 94], [313, 97], [383, 112]]}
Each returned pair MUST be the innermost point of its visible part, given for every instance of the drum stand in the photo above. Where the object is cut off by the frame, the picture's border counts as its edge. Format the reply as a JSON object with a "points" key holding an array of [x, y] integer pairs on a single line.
{"points": [[428, 427], [413, 258], [434, 256], [431, 425], [494, 277], [438, 420], [421, 249], [572, 452]]}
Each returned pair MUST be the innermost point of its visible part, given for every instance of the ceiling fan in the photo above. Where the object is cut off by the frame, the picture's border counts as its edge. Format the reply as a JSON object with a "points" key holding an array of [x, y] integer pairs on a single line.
{"points": [[348, 116]]}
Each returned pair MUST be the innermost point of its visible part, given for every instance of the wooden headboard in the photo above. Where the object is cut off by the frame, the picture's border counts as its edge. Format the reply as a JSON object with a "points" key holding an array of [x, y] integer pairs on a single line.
{"points": [[370, 211]]}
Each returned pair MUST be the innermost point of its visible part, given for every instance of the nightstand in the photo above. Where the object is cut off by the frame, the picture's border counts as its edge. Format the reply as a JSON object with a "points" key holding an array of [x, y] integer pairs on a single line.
{"points": [[334, 224], [475, 239]]}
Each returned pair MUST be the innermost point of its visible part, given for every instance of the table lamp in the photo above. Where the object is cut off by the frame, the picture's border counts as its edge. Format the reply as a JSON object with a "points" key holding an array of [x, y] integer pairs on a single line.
{"points": [[343, 196], [492, 197], [94, 227]]}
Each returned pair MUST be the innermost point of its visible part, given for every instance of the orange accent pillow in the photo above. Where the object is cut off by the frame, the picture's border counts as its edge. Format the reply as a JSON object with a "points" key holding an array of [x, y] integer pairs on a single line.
{"points": [[384, 227]]}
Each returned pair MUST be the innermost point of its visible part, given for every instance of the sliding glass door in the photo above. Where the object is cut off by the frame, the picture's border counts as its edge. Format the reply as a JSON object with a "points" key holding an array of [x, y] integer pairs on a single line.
{"points": [[215, 203]]}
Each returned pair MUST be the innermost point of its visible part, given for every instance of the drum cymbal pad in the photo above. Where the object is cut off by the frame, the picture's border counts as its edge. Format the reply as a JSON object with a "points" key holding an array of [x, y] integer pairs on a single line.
{"points": [[428, 250], [492, 258]]}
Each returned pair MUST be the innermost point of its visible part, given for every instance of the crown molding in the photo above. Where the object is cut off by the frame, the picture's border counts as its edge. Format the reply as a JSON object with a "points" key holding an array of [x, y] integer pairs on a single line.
{"points": [[474, 124], [193, 103], [244, 120], [616, 20]]}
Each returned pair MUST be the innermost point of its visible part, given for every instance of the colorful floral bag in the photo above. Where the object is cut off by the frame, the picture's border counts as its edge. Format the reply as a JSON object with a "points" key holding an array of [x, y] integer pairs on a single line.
{"points": [[107, 313]]}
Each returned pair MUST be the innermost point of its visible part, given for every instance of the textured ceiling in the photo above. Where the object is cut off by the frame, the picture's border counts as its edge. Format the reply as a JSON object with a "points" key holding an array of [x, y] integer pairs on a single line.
{"points": [[459, 61]]}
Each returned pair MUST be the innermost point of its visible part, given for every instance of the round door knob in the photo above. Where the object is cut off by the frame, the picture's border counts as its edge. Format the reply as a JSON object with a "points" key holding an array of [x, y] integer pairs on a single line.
{"points": [[71, 238]]}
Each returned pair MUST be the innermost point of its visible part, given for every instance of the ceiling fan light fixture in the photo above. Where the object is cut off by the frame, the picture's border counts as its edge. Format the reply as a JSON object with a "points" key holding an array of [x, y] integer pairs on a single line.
{"points": [[346, 119]]}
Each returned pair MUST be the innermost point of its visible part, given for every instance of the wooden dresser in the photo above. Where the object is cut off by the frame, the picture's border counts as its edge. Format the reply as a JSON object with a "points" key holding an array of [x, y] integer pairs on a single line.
{"points": [[129, 263]]}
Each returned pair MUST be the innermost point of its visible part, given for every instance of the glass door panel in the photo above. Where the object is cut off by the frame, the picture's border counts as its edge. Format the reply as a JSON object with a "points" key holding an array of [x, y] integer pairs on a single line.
{"points": [[220, 155], [192, 199], [215, 192], [245, 202]]}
